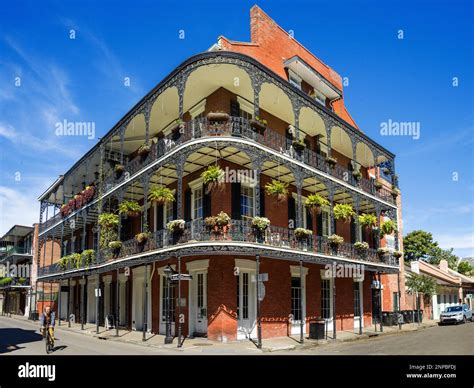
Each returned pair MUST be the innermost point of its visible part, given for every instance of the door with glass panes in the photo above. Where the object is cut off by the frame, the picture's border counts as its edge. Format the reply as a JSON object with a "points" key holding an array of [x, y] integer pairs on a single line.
{"points": [[200, 302], [246, 304]]}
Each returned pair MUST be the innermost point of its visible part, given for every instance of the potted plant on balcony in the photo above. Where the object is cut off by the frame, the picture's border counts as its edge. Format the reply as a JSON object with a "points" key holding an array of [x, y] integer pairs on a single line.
{"points": [[223, 221], [302, 234], [259, 125], [382, 252], [143, 151], [176, 228], [277, 189], [75, 260], [218, 117], [108, 220], [378, 185], [141, 239], [314, 202], [88, 257], [368, 220], [343, 211], [298, 146], [160, 195], [88, 193], [357, 175], [65, 210], [115, 247], [395, 192], [130, 208], [388, 227], [259, 225], [78, 201], [334, 242], [361, 248], [119, 170], [331, 161], [397, 254], [63, 262], [213, 177], [210, 222]]}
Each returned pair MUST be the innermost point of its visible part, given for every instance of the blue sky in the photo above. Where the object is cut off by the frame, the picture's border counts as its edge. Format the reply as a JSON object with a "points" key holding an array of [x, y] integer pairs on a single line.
{"points": [[82, 79]]}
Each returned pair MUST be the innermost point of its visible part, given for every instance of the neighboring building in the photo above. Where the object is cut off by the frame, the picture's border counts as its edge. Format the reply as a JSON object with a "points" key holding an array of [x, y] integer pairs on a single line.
{"points": [[272, 78], [453, 287], [16, 257]]}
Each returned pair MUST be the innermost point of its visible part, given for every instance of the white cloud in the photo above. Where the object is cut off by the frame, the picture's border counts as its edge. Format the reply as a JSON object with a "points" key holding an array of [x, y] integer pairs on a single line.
{"points": [[456, 241], [7, 131], [17, 208]]}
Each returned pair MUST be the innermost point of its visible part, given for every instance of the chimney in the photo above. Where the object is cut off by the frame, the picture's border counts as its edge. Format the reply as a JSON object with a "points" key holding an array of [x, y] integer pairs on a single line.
{"points": [[443, 266]]}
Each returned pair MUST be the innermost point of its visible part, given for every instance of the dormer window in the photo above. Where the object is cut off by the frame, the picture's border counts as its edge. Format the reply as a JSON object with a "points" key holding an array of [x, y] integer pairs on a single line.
{"points": [[294, 79]]}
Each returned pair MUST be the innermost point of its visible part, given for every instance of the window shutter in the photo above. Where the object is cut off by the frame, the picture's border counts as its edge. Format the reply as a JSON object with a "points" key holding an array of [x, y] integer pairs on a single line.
{"points": [[235, 200], [319, 224], [159, 217], [187, 205], [309, 219], [292, 209], [262, 201], [234, 108], [335, 225], [206, 202]]}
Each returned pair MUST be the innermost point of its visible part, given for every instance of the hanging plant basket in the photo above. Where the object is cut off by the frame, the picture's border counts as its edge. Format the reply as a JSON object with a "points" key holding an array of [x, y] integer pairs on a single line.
{"points": [[378, 185], [144, 150], [119, 170], [298, 146], [314, 202], [160, 195], [130, 208], [357, 175], [115, 247], [176, 226], [302, 234], [343, 211], [218, 117], [331, 161], [213, 177], [368, 220], [277, 189], [388, 227]]}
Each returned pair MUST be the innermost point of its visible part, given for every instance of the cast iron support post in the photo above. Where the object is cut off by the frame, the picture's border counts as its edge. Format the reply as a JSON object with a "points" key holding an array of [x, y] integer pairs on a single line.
{"points": [[168, 337], [117, 301], [68, 301], [97, 300], [179, 303], [145, 303], [334, 300], [302, 317], [259, 321], [380, 301]]}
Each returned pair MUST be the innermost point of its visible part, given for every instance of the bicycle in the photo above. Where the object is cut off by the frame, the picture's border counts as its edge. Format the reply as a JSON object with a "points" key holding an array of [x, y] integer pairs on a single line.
{"points": [[49, 339]]}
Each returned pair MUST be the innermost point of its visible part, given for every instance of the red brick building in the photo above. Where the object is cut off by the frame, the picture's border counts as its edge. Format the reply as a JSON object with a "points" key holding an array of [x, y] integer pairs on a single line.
{"points": [[255, 129]]}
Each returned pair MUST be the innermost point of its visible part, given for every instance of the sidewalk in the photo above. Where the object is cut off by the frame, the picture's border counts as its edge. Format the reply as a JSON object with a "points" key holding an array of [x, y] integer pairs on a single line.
{"points": [[205, 346]]}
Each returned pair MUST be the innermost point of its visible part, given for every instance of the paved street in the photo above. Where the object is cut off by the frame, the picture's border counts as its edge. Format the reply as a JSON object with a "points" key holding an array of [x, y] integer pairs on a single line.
{"points": [[21, 337], [437, 340]]}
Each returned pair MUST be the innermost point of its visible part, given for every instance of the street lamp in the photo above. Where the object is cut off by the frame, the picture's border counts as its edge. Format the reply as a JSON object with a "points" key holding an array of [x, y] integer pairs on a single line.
{"points": [[168, 271]]}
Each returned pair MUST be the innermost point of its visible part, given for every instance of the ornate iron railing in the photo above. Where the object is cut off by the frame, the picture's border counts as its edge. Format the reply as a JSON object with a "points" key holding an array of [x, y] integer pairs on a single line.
{"points": [[238, 231]]}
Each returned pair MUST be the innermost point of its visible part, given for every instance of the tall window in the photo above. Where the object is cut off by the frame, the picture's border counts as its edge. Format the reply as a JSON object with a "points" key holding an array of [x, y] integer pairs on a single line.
{"points": [[200, 296], [164, 300], [325, 298], [168, 212], [197, 203], [247, 206], [356, 299], [245, 295], [326, 222], [244, 114], [294, 79], [296, 298]]}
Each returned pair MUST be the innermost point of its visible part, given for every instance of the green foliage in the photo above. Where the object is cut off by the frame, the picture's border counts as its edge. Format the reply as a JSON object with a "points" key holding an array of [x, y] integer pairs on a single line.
{"points": [[343, 211], [369, 220], [222, 219], [260, 223], [115, 244], [213, 174], [176, 225], [88, 257], [277, 188], [465, 268], [5, 281], [302, 233], [335, 240], [418, 245], [142, 237], [108, 220], [128, 207], [421, 284], [315, 201], [361, 246], [437, 254], [388, 227], [160, 195]]}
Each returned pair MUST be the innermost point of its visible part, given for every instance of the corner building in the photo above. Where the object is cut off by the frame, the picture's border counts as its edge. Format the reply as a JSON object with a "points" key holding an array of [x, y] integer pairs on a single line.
{"points": [[204, 114]]}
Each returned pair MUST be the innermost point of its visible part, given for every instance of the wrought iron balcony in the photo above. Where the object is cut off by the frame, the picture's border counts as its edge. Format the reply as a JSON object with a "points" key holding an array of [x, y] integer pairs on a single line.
{"points": [[238, 231]]}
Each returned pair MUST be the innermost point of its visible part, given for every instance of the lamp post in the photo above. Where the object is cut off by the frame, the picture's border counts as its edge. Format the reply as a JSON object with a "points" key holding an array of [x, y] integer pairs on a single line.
{"points": [[168, 272]]}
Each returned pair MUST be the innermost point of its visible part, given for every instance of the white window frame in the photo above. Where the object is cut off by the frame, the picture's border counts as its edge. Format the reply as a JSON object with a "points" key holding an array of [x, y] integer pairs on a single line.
{"points": [[166, 207], [251, 187], [195, 185], [295, 273], [294, 79], [326, 210], [303, 199]]}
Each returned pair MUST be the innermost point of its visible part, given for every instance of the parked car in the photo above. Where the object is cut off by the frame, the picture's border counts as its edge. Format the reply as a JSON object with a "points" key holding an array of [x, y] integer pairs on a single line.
{"points": [[456, 314]]}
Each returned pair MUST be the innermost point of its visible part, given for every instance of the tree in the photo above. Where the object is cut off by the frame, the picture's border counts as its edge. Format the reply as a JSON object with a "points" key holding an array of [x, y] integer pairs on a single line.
{"points": [[421, 284], [437, 254], [465, 268], [418, 245]]}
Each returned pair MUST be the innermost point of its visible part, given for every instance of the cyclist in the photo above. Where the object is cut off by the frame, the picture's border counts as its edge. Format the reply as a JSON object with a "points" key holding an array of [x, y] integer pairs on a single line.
{"points": [[47, 321]]}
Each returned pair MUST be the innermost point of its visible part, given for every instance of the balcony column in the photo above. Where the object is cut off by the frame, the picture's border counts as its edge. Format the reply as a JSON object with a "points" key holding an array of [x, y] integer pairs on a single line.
{"points": [[146, 113], [180, 85], [119, 226], [394, 176], [296, 105], [61, 240], [122, 139], [43, 207], [328, 124], [256, 85], [356, 218], [68, 301], [51, 283], [351, 179], [179, 192], [44, 250], [378, 213], [145, 178], [331, 191], [84, 229], [257, 170], [299, 177]]}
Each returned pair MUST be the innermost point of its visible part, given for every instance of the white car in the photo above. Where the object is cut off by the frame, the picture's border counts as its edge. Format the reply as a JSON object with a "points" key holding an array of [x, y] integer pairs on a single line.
{"points": [[456, 314]]}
